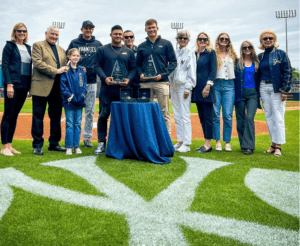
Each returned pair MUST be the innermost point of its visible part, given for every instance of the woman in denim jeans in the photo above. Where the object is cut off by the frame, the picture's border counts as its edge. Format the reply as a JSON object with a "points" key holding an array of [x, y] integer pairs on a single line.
{"points": [[246, 96], [224, 90], [275, 75]]}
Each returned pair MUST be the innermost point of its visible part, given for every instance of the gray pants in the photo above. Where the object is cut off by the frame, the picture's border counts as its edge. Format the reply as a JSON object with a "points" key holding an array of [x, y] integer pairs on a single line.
{"points": [[89, 100], [245, 113]]}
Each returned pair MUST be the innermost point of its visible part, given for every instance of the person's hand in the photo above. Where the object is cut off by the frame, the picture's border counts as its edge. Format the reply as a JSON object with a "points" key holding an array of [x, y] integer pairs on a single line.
{"points": [[109, 82], [63, 69], [142, 77], [10, 91], [205, 92], [158, 77], [186, 95], [283, 97], [125, 82], [29, 94], [84, 69]]}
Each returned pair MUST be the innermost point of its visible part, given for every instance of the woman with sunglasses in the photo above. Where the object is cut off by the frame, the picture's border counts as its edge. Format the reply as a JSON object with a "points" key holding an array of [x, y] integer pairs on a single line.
{"points": [[224, 90], [204, 93], [16, 67], [246, 96], [275, 75], [182, 82]]}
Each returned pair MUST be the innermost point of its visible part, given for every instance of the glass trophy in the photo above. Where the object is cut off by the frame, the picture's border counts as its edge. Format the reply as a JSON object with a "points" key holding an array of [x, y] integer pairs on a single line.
{"points": [[150, 69], [117, 75]]}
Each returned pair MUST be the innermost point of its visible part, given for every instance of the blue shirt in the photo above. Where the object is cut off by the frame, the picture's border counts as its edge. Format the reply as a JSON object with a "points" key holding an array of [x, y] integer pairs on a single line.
{"points": [[249, 77]]}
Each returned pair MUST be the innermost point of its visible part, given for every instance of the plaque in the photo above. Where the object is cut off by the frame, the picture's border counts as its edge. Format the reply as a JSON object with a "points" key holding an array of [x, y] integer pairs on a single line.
{"points": [[150, 69], [117, 75]]}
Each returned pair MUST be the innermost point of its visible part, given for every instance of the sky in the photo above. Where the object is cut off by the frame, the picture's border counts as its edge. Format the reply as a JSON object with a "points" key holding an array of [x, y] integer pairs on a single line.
{"points": [[241, 19]]}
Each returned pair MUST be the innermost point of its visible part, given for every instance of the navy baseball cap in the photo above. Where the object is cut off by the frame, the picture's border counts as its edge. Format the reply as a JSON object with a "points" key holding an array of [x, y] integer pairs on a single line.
{"points": [[87, 23]]}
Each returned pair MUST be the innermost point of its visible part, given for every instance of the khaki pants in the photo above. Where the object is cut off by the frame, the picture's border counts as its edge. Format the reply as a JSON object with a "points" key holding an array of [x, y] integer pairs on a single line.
{"points": [[161, 90]]}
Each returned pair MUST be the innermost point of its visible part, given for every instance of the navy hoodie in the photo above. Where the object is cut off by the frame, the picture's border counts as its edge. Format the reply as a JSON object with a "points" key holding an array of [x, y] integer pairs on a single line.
{"points": [[88, 49], [163, 55], [73, 83]]}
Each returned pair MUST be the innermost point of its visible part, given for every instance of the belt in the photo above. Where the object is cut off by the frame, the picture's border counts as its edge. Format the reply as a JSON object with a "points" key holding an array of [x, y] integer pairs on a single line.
{"points": [[267, 81]]}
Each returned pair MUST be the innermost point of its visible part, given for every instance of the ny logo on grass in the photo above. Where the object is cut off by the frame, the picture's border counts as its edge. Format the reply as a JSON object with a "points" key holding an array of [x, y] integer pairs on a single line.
{"points": [[156, 222]]}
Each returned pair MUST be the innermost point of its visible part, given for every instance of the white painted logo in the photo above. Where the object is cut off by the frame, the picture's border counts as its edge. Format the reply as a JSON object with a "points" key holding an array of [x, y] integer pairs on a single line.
{"points": [[157, 222]]}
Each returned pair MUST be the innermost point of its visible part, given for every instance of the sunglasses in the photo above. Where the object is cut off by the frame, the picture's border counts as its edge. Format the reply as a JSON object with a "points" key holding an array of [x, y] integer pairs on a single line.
{"points": [[224, 39], [248, 47], [183, 38], [127, 37], [268, 38], [202, 39], [21, 31]]}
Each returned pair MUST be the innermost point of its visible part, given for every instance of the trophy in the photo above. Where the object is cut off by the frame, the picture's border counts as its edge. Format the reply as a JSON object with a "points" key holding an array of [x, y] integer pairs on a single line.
{"points": [[150, 69], [117, 75]]}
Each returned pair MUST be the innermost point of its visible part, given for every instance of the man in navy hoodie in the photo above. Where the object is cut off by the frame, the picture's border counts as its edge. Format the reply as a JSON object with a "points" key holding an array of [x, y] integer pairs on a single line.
{"points": [[164, 57], [110, 58], [88, 45]]}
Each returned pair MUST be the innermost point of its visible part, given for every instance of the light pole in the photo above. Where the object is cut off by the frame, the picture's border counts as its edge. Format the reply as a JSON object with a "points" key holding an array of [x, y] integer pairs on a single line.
{"points": [[286, 14], [59, 25], [176, 25]]}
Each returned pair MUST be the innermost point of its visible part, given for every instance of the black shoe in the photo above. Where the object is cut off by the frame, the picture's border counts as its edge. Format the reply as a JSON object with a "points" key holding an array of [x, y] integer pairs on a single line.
{"points": [[57, 148], [248, 151], [204, 150], [37, 151]]}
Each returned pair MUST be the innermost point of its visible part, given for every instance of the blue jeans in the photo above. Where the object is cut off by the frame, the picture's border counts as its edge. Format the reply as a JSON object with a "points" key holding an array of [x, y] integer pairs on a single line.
{"points": [[225, 94], [73, 127]]}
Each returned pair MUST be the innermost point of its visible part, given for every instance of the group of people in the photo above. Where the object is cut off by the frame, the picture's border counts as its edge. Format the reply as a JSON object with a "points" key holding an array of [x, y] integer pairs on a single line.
{"points": [[213, 79]]}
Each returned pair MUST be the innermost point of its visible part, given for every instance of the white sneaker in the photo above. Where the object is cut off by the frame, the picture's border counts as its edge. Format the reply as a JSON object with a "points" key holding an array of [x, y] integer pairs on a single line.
{"points": [[177, 146], [184, 148], [69, 151], [77, 150], [228, 147]]}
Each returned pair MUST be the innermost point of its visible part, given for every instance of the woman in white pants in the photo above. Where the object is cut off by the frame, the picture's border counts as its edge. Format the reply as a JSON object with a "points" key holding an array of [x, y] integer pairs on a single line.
{"points": [[182, 82], [275, 75]]}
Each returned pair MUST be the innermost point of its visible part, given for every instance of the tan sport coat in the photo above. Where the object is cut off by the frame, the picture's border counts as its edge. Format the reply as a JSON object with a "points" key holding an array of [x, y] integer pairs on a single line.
{"points": [[45, 67]]}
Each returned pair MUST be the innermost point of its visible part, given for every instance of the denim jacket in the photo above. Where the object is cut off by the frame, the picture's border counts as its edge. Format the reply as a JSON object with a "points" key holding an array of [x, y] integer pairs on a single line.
{"points": [[280, 69], [239, 83]]}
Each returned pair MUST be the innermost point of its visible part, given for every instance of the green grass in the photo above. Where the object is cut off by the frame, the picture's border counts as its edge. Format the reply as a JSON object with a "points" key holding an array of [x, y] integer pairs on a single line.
{"points": [[35, 220]]}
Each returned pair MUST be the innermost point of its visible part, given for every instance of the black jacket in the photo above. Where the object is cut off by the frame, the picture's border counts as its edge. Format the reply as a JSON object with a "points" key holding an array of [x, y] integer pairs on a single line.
{"points": [[163, 55], [11, 63], [88, 49]]}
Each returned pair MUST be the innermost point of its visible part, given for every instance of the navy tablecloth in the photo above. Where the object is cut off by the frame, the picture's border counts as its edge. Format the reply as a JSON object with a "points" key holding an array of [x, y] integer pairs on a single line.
{"points": [[138, 131]]}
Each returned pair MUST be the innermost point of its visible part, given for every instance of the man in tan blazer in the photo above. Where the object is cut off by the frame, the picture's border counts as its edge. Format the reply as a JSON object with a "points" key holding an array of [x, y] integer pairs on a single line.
{"points": [[49, 61]]}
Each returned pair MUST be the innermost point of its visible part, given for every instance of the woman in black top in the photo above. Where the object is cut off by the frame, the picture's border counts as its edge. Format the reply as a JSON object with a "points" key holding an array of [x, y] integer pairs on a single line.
{"points": [[16, 67]]}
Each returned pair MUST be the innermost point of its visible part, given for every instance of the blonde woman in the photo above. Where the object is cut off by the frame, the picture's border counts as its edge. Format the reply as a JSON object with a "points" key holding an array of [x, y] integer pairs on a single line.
{"points": [[224, 90], [16, 67], [246, 96], [204, 93], [182, 82], [275, 75]]}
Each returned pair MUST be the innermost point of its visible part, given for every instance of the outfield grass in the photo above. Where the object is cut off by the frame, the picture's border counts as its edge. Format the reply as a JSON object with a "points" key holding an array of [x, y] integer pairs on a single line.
{"points": [[27, 108], [36, 220]]}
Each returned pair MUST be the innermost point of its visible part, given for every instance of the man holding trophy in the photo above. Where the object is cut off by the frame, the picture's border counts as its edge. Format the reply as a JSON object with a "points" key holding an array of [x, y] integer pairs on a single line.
{"points": [[156, 60], [115, 65]]}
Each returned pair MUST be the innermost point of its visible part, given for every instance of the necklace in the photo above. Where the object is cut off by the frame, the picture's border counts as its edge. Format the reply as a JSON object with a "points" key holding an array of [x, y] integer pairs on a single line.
{"points": [[115, 50]]}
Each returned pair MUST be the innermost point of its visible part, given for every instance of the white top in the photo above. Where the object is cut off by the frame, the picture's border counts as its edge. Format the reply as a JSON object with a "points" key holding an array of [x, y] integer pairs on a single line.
{"points": [[227, 71], [185, 72]]}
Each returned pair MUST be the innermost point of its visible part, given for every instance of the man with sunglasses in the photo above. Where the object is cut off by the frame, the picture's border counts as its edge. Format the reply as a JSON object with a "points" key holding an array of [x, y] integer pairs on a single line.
{"points": [[87, 44], [128, 39], [165, 62]]}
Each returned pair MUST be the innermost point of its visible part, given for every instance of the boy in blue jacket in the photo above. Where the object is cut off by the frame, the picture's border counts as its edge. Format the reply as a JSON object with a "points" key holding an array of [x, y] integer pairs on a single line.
{"points": [[73, 87]]}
